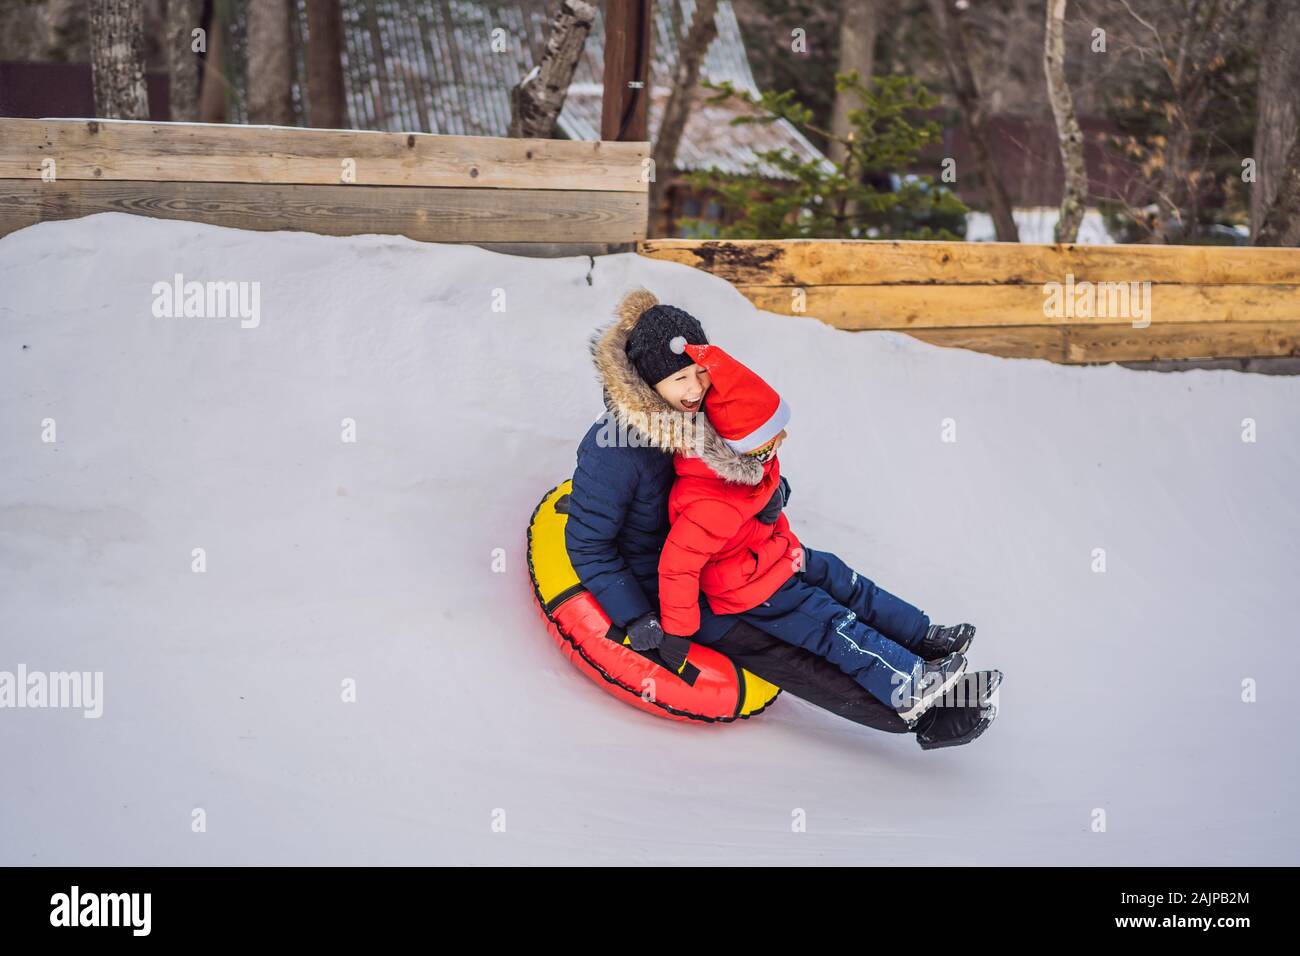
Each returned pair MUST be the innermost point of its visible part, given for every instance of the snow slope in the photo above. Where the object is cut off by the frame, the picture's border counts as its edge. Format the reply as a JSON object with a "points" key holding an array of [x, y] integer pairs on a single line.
{"points": [[373, 561]]}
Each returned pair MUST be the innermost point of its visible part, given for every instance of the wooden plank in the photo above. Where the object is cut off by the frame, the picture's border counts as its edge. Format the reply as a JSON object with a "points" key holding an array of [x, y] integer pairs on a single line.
{"points": [[1181, 341], [820, 262], [906, 307], [1123, 343], [1017, 341], [200, 152], [435, 215]]}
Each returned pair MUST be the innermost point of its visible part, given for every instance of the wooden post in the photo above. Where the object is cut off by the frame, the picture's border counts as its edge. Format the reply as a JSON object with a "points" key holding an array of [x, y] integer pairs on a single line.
{"points": [[623, 114], [325, 65]]}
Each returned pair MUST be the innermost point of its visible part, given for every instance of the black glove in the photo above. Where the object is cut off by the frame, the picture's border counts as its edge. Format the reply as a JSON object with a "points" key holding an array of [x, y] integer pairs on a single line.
{"points": [[772, 509], [673, 650], [645, 632]]}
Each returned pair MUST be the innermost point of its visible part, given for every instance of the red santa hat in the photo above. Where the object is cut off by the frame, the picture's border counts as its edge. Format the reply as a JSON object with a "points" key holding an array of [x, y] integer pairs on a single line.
{"points": [[745, 410]]}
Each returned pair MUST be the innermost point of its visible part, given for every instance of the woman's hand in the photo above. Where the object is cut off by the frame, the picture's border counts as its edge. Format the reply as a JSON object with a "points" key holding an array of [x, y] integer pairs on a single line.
{"points": [[646, 632], [673, 650]]}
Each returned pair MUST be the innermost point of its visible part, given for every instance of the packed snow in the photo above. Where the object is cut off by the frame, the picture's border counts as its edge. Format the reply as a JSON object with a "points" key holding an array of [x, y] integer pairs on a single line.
{"points": [[1144, 718]]}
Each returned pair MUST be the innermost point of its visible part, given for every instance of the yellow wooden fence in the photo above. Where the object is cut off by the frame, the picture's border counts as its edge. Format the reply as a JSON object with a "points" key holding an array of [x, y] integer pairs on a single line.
{"points": [[1062, 303]]}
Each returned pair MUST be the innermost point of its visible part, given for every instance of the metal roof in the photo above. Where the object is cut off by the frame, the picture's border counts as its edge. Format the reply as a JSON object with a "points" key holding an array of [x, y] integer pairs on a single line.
{"points": [[447, 66]]}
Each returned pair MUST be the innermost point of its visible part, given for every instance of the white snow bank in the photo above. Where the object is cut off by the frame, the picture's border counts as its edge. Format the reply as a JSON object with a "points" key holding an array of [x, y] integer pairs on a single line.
{"points": [[373, 561]]}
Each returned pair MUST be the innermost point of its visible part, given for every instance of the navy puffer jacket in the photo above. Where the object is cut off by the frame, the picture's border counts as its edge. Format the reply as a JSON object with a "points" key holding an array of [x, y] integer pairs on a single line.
{"points": [[618, 520], [618, 507]]}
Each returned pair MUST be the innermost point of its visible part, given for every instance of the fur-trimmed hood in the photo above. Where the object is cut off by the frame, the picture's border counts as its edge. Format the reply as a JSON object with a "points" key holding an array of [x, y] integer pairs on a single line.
{"points": [[637, 407]]}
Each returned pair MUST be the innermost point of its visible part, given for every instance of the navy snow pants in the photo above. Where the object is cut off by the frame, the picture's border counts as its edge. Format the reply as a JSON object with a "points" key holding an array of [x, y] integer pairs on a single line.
{"points": [[840, 615]]}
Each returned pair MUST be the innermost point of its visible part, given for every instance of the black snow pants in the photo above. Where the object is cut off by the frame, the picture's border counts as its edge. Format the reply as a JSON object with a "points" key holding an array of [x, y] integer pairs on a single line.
{"points": [[806, 676]]}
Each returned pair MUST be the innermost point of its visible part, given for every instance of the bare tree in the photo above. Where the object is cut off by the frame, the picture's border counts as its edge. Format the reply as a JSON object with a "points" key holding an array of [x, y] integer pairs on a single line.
{"points": [[685, 76], [325, 64], [536, 101], [961, 78], [858, 25], [1068, 135], [1188, 42], [270, 62], [183, 18], [1279, 106], [117, 59], [1281, 226]]}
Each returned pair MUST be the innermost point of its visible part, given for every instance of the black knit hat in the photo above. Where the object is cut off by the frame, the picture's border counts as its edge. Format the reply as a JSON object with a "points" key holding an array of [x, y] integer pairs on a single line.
{"points": [[648, 343]]}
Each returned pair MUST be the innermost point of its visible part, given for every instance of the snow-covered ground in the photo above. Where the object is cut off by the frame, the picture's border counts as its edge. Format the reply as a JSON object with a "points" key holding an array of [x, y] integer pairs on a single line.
{"points": [[1036, 224], [375, 561]]}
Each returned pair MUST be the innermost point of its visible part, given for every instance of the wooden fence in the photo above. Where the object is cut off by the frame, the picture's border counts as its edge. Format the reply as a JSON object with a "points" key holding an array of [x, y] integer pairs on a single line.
{"points": [[479, 189], [1022, 300], [558, 196]]}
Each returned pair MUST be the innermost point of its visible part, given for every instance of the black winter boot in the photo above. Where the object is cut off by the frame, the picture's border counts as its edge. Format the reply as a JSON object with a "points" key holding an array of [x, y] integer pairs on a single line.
{"points": [[953, 726], [928, 686], [941, 641], [963, 714]]}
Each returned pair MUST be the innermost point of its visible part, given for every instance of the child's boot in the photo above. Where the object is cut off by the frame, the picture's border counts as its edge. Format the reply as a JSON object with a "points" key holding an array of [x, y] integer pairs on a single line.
{"points": [[941, 641], [928, 685]]}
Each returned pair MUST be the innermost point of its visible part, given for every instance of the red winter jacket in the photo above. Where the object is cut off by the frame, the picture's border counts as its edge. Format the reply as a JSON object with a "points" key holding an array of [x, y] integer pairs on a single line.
{"points": [[718, 546]]}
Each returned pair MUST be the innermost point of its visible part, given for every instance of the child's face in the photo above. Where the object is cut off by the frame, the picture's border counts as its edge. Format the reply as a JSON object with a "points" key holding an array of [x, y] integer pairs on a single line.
{"points": [[685, 390], [767, 452]]}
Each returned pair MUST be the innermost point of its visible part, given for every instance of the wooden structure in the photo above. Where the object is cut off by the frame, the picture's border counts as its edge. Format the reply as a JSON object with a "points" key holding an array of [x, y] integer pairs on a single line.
{"points": [[625, 98], [497, 192], [563, 197], [1204, 301]]}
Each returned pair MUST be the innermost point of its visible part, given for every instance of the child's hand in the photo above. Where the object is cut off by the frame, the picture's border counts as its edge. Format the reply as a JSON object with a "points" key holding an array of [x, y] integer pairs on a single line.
{"points": [[772, 509]]}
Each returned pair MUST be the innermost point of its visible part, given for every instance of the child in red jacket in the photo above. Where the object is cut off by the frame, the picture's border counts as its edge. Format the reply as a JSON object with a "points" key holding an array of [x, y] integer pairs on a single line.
{"points": [[731, 543]]}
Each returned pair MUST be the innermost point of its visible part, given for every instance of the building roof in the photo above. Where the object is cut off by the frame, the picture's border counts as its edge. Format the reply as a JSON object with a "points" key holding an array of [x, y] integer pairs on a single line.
{"points": [[439, 66]]}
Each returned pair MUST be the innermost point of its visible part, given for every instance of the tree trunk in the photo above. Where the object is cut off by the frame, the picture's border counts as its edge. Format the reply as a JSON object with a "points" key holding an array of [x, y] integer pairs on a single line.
{"points": [[1075, 197], [183, 18], [1279, 104], [270, 62], [325, 64], [117, 59], [1281, 226], [857, 52], [212, 91], [962, 78], [686, 74], [536, 101], [1180, 182]]}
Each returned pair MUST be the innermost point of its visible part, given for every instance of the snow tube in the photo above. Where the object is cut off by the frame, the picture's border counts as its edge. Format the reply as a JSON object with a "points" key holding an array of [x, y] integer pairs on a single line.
{"points": [[708, 687]]}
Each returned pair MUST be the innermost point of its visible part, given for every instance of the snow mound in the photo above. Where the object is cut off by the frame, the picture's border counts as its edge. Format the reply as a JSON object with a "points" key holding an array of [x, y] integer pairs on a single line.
{"points": [[376, 561]]}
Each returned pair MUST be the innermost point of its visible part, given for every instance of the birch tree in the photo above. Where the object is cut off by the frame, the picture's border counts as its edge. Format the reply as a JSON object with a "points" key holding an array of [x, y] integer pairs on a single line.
{"points": [[1068, 136], [117, 59]]}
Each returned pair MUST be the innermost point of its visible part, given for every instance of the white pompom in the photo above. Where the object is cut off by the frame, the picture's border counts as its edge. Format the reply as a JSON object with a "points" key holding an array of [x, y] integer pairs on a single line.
{"points": [[677, 344]]}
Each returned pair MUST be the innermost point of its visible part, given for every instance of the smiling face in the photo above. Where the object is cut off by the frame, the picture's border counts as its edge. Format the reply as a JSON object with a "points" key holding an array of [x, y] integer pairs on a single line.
{"points": [[685, 390]]}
